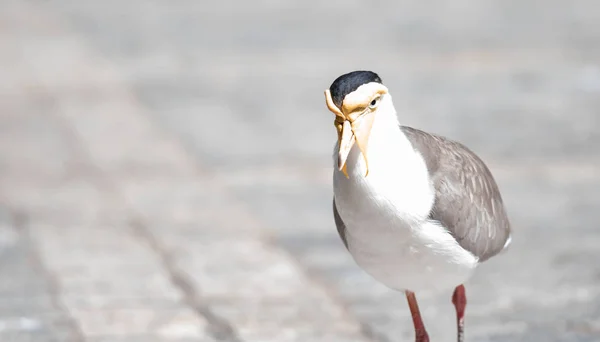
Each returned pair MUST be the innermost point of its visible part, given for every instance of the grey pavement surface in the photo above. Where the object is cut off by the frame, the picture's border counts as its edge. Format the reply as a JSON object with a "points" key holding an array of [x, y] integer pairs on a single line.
{"points": [[165, 166]]}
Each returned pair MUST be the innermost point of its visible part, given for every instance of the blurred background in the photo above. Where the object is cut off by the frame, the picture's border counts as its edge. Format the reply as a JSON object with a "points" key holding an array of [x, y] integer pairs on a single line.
{"points": [[165, 166]]}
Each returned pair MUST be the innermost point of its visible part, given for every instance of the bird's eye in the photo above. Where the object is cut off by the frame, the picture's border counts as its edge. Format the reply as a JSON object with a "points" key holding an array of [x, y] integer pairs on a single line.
{"points": [[374, 103]]}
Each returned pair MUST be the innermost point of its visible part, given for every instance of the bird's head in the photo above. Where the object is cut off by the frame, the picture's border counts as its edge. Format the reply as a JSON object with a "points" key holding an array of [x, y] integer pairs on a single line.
{"points": [[355, 99]]}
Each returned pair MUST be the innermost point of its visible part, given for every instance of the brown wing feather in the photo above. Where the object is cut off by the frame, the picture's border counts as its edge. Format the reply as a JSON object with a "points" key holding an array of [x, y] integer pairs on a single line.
{"points": [[468, 202]]}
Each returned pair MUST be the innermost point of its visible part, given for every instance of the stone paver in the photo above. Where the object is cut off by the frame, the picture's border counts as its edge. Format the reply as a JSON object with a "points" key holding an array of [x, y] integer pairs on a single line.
{"points": [[165, 169]]}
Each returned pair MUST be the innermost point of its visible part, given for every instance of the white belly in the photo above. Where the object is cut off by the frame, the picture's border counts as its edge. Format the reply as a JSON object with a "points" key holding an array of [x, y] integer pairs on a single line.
{"points": [[387, 229], [412, 258]]}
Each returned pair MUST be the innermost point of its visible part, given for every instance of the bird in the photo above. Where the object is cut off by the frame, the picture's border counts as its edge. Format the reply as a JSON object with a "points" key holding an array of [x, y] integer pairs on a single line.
{"points": [[417, 211]]}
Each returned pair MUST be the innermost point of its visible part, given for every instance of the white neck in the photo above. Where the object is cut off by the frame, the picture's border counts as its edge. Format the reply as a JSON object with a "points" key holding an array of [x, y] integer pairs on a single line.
{"points": [[398, 176]]}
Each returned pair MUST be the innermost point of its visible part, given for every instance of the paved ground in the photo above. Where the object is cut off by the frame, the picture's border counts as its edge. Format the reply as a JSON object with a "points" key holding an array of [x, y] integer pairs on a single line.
{"points": [[165, 166]]}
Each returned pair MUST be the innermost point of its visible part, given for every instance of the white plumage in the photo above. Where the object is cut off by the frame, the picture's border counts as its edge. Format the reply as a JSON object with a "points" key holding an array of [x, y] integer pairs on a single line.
{"points": [[386, 214]]}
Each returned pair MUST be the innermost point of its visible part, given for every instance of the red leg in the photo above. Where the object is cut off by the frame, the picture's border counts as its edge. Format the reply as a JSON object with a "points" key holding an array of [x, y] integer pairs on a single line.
{"points": [[459, 299], [420, 332]]}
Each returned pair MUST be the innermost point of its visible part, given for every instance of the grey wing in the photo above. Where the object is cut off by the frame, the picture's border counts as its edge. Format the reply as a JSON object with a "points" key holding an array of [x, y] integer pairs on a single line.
{"points": [[468, 202], [341, 227]]}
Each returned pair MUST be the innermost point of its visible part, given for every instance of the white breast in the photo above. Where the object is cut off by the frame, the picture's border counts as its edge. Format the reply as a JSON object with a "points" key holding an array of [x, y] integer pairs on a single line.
{"points": [[385, 215]]}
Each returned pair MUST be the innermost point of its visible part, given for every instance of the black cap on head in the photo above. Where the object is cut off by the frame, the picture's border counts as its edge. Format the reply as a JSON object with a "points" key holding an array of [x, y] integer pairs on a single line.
{"points": [[349, 82]]}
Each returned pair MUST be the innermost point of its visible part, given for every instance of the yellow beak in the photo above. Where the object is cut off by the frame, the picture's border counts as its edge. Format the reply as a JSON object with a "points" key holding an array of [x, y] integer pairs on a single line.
{"points": [[350, 133], [346, 140]]}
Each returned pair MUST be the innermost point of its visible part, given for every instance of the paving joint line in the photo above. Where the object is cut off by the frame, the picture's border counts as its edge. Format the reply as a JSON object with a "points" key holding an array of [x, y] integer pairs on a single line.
{"points": [[219, 328], [21, 222]]}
